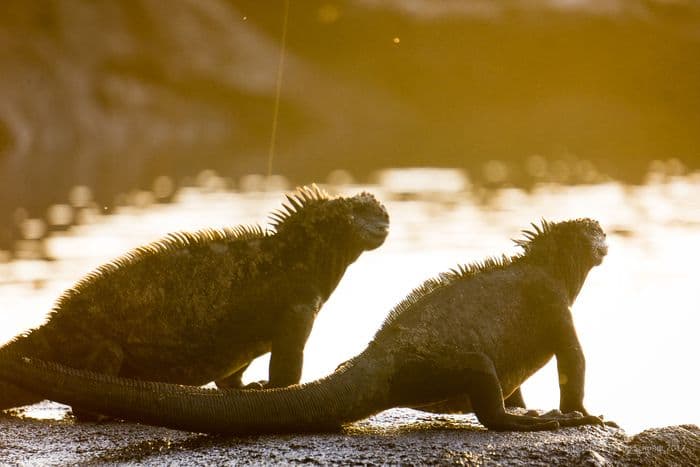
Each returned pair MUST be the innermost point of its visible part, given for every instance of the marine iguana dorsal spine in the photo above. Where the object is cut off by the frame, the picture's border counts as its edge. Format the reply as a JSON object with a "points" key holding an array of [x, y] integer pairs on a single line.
{"points": [[473, 334], [195, 307]]}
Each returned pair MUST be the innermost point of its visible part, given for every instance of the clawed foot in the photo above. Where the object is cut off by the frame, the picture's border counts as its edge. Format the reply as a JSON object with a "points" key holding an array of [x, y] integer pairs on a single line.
{"points": [[512, 422], [262, 384], [574, 418], [536, 421]]}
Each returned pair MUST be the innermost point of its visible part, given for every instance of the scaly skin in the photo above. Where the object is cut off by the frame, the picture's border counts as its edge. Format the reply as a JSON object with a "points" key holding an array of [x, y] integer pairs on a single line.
{"points": [[198, 307], [470, 337]]}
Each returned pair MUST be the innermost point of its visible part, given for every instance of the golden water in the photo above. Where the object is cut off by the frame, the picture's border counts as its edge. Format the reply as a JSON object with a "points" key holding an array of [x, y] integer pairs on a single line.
{"points": [[637, 315]]}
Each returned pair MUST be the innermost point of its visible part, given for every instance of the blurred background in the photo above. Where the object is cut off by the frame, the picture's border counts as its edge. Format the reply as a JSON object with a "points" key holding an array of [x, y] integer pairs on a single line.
{"points": [[113, 95], [468, 118]]}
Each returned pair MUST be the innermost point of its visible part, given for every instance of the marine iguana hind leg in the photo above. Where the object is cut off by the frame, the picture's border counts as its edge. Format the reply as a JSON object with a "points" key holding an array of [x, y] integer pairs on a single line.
{"points": [[487, 399], [515, 399], [11, 396], [461, 404], [232, 381], [480, 378]]}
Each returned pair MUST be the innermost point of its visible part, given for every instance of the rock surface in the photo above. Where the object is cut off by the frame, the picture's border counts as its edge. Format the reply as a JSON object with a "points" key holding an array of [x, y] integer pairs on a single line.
{"points": [[397, 436]]}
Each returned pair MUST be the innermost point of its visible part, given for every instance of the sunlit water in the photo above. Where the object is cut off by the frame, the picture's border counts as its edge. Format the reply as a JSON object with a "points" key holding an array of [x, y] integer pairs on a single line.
{"points": [[637, 315]]}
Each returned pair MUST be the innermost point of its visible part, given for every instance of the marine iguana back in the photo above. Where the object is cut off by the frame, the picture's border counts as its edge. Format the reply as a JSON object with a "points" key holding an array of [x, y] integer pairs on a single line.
{"points": [[198, 307], [473, 334]]}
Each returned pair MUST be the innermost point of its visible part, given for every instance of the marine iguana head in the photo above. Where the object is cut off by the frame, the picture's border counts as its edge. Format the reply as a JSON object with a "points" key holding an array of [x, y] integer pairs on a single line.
{"points": [[359, 222], [367, 219], [567, 249], [582, 238]]}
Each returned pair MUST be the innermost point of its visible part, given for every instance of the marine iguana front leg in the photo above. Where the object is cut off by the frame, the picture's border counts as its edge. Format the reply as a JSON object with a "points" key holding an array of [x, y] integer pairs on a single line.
{"points": [[571, 368], [479, 377], [288, 341], [287, 353]]}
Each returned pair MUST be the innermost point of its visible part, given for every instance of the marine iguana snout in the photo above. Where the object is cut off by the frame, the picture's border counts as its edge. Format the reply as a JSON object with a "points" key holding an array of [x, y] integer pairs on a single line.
{"points": [[585, 235], [598, 244], [369, 220]]}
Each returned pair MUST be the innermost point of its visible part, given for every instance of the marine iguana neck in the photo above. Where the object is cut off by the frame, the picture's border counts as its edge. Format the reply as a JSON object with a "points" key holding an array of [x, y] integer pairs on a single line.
{"points": [[325, 260], [333, 268], [321, 236], [572, 273]]}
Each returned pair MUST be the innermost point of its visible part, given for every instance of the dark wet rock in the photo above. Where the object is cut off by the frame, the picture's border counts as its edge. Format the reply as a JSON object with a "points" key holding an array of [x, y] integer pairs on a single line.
{"points": [[394, 437], [592, 458], [677, 445]]}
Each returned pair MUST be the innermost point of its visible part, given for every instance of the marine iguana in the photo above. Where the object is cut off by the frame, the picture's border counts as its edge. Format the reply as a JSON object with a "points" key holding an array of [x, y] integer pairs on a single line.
{"points": [[473, 334], [198, 307]]}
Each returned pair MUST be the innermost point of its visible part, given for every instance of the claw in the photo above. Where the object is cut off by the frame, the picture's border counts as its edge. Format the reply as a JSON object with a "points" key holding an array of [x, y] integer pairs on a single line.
{"points": [[580, 421], [569, 419], [256, 385], [549, 425], [609, 423]]}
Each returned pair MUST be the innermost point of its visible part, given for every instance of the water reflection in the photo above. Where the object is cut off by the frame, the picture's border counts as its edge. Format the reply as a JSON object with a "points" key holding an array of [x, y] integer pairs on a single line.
{"points": [[636, 316]]}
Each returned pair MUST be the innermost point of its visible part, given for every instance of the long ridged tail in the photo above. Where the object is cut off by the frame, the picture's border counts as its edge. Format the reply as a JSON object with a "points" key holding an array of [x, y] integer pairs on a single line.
{"points": [[32, 344], [342, 397]]}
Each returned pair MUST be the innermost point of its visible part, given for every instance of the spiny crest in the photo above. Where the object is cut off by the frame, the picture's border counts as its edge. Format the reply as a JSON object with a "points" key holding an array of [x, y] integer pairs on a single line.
{"points": [[537, 231], [171, 242], [415, 296], [463, 271], [460, 272], [297, 201]]}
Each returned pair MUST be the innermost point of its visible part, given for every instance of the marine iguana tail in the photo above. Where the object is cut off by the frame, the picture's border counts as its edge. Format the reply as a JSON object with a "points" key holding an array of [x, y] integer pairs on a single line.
{"points": [[473, 334], [198, 307]]}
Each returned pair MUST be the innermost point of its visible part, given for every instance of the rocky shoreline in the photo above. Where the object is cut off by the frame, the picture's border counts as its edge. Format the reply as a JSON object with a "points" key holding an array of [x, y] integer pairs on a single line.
{"points": [[397, 436]]}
